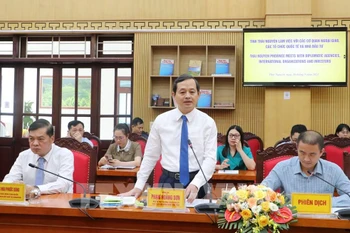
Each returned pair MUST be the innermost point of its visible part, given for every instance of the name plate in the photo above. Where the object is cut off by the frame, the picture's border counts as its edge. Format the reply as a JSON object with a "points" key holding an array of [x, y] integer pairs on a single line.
{"points": [[311, 203], [166, 198], [10, 192]]}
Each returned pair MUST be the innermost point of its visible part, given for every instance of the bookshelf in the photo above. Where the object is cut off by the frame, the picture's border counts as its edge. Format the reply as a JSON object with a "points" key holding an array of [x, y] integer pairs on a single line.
{"points": [[223, 88]]}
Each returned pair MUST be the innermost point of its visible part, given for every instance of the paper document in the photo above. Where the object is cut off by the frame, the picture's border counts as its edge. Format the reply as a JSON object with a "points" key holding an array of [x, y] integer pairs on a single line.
{"points": [[107, 166], [228, 171], [125, 167], [129, 200], [111, 198]]}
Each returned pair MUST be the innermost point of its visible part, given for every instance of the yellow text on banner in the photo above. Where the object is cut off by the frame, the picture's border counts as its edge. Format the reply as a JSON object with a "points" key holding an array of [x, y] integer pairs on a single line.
{"points": [[311, 203], [166, 198], [10, 192]]}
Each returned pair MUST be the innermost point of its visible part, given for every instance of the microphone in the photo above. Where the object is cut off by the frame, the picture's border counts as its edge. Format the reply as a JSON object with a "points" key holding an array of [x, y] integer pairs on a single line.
{"points": [[343, 213], [204, 207], [78, 202]]}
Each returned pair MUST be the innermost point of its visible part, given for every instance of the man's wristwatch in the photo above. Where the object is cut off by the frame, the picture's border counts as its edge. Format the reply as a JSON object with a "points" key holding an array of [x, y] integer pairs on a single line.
{"points": [[36, 192]]}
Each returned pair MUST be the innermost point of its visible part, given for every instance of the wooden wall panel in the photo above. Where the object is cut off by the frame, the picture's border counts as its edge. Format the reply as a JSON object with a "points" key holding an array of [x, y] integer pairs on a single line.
{"points": [[281, 114], [249, 112], [330, 8], [283, 7], [288, 20], [48, 10], [330, 107]]}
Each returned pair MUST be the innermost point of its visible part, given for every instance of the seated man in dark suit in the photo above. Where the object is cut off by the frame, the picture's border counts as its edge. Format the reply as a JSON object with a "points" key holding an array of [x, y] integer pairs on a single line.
{"points": [[137, 127]]}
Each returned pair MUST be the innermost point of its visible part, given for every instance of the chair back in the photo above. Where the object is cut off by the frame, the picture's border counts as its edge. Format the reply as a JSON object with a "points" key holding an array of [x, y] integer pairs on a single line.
{"points": [[254, 142], [283, 140], [329, 137], [95, 141], [140, 140], [268, 158], [157, 172], [347, 163], [221, 139], [335, 148], [85, 160]]}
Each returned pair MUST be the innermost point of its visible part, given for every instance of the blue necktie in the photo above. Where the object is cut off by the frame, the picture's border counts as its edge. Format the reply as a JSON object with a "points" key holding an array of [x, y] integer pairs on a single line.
{"points": [[184, 170], [39, 175]]}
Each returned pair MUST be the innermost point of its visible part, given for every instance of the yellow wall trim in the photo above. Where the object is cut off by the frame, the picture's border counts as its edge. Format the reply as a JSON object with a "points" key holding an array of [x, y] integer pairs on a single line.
{"points": [[133, 25], [154, 25], [331, 23]]}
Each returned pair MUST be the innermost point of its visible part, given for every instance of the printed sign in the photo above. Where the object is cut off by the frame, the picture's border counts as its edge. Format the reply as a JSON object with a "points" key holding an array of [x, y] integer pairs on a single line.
{"points": [[311, 203], [10, 192], [166, 198]]}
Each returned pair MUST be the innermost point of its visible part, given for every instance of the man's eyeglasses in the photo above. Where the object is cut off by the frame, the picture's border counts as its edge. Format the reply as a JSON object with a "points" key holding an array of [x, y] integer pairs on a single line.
{"points": [[234, 135], [119, 138]]}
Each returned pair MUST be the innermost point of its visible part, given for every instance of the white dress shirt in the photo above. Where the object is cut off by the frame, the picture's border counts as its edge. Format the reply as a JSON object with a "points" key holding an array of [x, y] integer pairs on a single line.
{"points": [[58, 160], [165, 137], [87, 141]]}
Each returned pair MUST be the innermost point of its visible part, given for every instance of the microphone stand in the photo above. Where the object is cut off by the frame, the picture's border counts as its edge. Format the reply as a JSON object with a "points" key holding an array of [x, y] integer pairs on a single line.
{"points": [[77, 202], [204, 207], [343, 213]]}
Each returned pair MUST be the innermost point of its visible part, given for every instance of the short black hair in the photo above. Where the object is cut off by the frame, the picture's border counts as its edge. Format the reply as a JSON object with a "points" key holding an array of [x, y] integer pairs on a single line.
{"points": [[298, 129], [42, 123], [136, 121], [123, 127], [311, 137], [182, 78], [341, 127], [75, 123]]}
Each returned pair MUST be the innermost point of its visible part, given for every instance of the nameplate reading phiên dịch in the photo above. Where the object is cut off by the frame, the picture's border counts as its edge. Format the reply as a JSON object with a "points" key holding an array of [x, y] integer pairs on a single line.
{"points": [[312, 203]]}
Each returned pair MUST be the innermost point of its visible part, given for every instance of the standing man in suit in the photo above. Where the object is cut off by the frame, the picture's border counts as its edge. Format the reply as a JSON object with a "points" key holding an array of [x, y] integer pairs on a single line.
{"points": [[167, 139]]}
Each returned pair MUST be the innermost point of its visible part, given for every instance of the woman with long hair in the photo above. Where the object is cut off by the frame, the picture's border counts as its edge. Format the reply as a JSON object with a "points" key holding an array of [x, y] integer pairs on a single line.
{"points": [[234, 155]]}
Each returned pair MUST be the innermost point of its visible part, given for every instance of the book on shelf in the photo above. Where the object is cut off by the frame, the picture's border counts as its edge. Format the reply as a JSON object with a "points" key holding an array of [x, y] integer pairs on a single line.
{"points": [[194, 68], [222, 66], [223, 105], [221, 75], [166, 67], [204, 99]]}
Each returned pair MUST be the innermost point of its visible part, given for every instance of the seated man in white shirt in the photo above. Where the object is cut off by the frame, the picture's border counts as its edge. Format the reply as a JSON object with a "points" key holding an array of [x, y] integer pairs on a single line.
{"points": [[43, 153], [76, 131]]}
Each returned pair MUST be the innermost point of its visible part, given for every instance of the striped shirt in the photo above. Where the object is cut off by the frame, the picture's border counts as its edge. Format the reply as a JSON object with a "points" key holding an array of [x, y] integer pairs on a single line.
{"points": [[288, 176]]}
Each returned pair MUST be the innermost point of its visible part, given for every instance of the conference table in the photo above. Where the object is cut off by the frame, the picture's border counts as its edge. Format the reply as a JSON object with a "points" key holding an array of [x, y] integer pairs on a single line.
{"points": [[115, 181], [122, 180], [243, 176], [51, 213]]}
